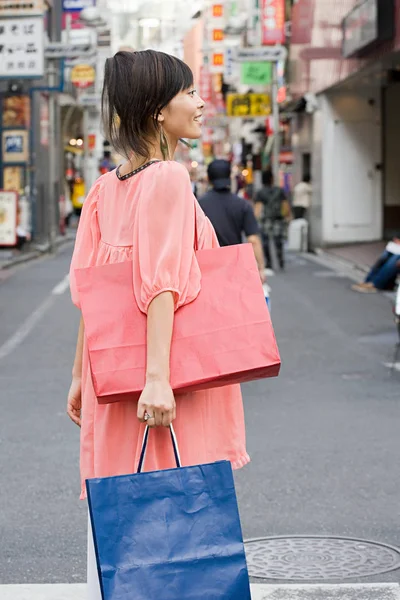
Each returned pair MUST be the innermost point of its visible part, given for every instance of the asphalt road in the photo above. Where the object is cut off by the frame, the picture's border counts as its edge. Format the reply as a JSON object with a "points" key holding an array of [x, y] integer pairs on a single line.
{"points": [[323, 437]]}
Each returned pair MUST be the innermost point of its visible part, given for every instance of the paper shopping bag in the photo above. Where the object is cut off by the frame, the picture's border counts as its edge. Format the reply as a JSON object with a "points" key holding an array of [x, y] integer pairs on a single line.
{"points": [[224, 336], [169, 535]]}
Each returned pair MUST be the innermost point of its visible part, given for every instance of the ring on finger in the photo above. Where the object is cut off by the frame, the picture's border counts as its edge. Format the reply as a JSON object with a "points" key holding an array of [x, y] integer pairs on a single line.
{"points": [[147, 417]]}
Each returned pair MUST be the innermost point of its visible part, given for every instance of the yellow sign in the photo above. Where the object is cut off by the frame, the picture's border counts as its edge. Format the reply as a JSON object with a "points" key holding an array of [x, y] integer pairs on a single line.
{"points": [[83, 76], [248, 105]]}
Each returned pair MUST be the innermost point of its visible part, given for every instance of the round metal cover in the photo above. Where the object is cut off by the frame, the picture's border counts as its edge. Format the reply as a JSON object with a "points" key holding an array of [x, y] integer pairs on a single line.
{"points": [[310, 558]]}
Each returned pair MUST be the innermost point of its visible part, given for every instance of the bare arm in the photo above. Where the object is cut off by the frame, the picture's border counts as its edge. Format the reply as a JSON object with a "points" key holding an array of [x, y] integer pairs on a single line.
{"points": [[74, 403], [77, 368], [160, 320], [157, 399], [255, 241], [258, 208]]}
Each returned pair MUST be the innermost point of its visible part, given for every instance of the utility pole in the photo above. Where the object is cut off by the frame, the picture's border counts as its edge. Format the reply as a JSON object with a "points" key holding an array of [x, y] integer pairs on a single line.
{"points": [[54, 166], [275, 117]]}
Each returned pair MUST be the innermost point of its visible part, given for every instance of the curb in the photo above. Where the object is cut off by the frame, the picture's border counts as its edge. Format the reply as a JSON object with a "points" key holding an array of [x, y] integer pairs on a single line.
{"points": [[34, 254], [348, 268]]}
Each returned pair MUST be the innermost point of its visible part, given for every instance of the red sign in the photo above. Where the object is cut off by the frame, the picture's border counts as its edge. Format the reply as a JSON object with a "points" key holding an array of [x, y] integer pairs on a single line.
{"points": [[218, 10], [302, 22], [273, 22], [218, 59], [91, 141], [218, 35]]}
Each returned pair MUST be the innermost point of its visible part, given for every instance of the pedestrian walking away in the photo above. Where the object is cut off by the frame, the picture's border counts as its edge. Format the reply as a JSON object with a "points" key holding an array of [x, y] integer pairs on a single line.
{"points": [[272, 211], [145, 212], [231, 216], [302, 194]]}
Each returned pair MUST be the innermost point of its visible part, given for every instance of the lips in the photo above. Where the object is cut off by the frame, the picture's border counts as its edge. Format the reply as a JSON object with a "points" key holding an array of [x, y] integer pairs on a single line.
{"points": [[198, 119]]}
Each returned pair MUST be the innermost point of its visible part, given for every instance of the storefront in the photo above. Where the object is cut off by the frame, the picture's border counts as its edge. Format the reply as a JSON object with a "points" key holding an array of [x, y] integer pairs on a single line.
{"points": [[346, 125]]}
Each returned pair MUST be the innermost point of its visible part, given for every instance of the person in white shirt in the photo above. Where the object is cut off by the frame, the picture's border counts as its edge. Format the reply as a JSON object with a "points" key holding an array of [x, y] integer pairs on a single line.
{"points": [[302, 197]]}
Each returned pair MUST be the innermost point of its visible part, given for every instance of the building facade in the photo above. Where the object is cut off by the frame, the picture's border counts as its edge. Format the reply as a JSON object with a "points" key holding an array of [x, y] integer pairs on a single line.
{"points": [[345, 76]]}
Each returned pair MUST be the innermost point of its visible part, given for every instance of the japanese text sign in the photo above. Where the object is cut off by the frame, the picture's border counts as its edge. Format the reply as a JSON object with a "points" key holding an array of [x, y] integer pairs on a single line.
{"points": [[21, 8], [21, 47], [248, 105], [256, 73], [273, 22]]}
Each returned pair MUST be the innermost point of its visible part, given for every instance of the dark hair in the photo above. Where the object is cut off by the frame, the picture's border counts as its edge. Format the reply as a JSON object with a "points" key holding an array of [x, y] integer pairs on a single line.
{"points": [[267, 177], [307, 178], [137, 87]]}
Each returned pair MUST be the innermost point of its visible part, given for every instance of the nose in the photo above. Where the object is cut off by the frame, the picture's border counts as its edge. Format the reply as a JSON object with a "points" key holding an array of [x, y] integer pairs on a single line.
{"points": [[200, 103]]}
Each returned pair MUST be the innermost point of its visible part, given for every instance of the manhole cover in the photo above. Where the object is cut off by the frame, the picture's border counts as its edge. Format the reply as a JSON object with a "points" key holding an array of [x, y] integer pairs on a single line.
{"points": [[315, 558]]}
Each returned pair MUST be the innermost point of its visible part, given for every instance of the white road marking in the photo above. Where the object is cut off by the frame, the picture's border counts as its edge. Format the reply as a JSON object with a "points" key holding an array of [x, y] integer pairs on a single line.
{"points": [[61, 287], [394, 366], [356, 591], [30, 323]]}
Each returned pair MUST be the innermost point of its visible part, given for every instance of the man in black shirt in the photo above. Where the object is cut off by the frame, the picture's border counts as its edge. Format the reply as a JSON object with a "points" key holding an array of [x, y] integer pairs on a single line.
{"points": [[231, 215]]}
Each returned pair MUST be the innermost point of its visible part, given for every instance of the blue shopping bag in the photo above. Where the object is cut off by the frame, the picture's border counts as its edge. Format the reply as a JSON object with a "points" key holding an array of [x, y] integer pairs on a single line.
{"points": [[169, 535]]}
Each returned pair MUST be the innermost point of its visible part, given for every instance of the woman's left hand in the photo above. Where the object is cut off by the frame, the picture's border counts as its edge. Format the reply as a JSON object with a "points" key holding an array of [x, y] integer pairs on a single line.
{"points": [[74, 403]]}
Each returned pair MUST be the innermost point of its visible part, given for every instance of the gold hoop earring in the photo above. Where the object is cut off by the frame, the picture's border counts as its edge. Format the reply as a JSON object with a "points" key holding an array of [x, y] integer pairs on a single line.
{"points": [[164, 144]]}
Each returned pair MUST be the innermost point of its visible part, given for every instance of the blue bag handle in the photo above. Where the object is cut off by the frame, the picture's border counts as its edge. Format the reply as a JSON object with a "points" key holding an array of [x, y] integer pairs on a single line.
{"points": [[144, 448]]}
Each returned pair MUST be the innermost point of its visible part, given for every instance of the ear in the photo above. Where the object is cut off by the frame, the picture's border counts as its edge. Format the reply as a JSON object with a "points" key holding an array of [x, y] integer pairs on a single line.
{"points": [[160, 118]]}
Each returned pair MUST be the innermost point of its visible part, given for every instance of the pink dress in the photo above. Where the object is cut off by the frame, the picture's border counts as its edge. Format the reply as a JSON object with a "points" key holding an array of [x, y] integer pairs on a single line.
{"points": [[149, 219]]}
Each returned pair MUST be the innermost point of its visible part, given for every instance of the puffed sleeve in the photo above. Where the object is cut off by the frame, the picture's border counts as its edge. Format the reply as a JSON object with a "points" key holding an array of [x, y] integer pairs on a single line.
{"points": [[87, 239], [163, 247]]}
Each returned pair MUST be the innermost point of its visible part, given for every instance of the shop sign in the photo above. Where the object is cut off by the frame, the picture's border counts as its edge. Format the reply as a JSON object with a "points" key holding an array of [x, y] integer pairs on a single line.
{"points": [[83, 76], [302, 21], [16, 111], [273, 22], [21, 8], [218, 35], [8, 217], [77, 5], [369, 22], [44, 120], [229, 63], [15, 146], [217, 62], [89, 100], [256, 73], [21, 47], [217, 10], [248, 105], [261, 53]]}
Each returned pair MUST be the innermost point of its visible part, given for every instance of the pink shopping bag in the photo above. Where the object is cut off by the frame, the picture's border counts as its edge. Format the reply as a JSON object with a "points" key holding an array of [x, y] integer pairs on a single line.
{"points": [[225, 336]]}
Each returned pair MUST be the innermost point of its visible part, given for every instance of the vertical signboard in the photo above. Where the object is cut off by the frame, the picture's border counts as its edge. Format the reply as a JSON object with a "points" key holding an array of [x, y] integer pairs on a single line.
{"points": [[8, 217], [302, 21], [273, 22], [22, 47]]}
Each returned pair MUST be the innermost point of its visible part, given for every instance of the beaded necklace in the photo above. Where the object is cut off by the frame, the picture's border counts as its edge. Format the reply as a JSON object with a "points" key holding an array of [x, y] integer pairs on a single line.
{"points": [[132, 173]]}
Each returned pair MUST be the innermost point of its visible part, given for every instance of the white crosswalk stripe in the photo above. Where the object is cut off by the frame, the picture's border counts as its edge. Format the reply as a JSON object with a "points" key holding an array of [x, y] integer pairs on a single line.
{"points": [[373, 591]]}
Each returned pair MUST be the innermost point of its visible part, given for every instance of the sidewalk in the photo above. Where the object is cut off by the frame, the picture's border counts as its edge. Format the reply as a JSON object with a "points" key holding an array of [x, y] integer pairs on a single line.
{"points": [[360, 256], [10, 257]]}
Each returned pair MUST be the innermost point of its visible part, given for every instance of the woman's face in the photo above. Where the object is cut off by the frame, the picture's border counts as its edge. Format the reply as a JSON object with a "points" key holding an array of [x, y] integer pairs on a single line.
{"points": [[181, 118]]}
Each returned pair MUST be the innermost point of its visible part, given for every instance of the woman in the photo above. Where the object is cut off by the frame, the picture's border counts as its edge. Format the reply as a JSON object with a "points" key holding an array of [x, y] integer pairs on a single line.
{"points": [[145, 212]]}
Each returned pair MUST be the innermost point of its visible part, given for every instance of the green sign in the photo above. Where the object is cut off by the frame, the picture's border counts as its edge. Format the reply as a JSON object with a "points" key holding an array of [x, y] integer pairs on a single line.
{"points": [[256, 73]]}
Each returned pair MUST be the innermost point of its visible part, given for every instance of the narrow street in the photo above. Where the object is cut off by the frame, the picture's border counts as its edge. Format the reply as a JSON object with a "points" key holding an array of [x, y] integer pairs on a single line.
{"points": [[323, 437]]}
